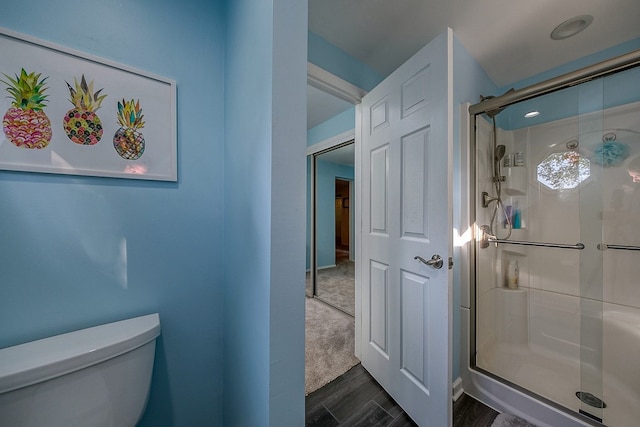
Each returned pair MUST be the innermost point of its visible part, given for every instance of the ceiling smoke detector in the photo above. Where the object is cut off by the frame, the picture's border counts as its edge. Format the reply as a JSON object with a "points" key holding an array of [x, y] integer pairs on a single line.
{"points": [[571, 27]]}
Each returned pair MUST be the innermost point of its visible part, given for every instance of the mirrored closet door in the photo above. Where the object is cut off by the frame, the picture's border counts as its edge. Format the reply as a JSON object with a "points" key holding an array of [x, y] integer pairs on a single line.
{"points": [[331, 252]]}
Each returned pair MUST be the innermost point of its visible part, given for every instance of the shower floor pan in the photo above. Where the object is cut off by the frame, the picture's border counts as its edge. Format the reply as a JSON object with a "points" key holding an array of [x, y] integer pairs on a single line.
{"points": [[545, 374], [558, 379]]}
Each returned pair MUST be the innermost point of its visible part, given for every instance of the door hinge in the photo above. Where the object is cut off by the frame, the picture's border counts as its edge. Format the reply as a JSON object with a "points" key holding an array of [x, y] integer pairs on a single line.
{"points": [[450, 263]]}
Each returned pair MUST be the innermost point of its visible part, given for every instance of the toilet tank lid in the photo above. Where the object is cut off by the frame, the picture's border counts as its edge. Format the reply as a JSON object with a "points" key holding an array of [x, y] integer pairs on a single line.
{"points": [[33, 362]]}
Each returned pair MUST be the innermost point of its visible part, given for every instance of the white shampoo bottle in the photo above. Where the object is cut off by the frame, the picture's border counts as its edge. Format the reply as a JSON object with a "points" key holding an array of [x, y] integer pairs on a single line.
{"points": [[513, 274]]}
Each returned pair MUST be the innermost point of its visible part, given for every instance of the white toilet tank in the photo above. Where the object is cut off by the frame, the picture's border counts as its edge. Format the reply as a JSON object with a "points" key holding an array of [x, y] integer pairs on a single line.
{"points": [[98, 376]]}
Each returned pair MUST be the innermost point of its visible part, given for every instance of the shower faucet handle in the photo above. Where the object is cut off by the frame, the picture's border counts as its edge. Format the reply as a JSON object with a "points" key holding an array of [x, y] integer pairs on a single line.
{"points": [[436, 261]]}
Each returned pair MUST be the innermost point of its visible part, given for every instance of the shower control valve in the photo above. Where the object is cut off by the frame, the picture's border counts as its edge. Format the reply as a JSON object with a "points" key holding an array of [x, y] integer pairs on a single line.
{"points": [[486, 199]]}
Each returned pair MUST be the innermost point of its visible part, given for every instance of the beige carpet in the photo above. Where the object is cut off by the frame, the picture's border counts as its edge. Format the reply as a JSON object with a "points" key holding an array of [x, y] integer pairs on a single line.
{"points": [[329, 344], [337, 285]]}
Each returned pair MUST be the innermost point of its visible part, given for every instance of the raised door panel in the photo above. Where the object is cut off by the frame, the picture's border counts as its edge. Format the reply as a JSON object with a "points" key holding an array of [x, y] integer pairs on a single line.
{"points": [[414, 326], [378, 307], [414, 93], [415, 186], [378, 196]]}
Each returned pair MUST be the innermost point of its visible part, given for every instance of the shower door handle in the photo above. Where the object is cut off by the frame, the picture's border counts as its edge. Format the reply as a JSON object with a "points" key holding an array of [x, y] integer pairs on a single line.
{"points": [[436, 261]]}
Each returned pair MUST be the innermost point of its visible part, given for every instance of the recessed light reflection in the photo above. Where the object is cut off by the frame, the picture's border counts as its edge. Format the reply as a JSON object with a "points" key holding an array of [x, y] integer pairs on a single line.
{"points": [[532, 114], [136, 168]]}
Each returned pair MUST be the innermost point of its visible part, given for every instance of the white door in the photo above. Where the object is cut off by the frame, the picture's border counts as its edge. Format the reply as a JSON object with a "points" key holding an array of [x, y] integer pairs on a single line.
{"points": [[405, 134]]}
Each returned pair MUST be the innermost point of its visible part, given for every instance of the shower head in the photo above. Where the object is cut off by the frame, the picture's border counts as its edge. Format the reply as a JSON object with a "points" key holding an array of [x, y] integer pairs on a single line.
{"points": [[499, 154]]}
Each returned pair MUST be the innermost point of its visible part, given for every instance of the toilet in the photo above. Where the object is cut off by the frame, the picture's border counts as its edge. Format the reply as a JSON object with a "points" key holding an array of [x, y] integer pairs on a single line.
{"points": [[93, 377]]}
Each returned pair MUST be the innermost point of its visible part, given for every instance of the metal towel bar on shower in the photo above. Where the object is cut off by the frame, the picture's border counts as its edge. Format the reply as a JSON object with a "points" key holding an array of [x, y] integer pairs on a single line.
{"points": [[605, 246], [487, 238], [578, 246]]}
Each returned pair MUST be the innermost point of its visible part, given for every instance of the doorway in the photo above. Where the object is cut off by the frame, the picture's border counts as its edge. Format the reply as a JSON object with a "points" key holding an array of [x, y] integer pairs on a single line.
{"points": [[330, 284]]}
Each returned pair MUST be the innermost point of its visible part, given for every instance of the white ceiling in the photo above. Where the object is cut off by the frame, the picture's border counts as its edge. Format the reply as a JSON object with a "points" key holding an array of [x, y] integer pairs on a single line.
{"points": [[510, 39]]}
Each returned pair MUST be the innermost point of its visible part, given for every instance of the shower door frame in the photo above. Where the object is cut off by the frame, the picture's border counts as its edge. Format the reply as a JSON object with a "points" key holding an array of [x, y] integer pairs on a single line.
{"points": [[480, 383]]}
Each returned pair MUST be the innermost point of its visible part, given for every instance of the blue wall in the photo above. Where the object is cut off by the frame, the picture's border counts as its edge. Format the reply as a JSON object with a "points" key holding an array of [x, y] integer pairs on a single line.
{"points": [[329, 57], [62, 264], [326, 175], [336, 125], [247, 207], [265, 125]]}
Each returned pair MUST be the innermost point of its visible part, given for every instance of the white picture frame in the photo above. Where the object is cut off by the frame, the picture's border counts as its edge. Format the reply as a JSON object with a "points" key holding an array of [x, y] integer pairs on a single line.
{"points": [[151, 154]]}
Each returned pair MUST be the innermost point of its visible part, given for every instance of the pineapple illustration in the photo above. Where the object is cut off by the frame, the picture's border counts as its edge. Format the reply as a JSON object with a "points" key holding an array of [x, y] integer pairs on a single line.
{"points": [[25, 123], [82, 124], [128, 142]]}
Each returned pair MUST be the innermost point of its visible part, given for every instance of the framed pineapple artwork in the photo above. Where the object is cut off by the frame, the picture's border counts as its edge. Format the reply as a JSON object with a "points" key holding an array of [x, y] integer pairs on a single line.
{"points": [[68, 112]]}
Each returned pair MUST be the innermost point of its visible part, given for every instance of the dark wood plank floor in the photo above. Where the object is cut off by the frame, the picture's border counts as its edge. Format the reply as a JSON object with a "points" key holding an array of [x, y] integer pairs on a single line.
{"points": [[468, 412], [356, 399]]}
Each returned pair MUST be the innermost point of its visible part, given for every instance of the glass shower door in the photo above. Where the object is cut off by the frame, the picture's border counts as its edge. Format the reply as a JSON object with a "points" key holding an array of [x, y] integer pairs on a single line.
{"points": [[620, 248], [557, 306]]}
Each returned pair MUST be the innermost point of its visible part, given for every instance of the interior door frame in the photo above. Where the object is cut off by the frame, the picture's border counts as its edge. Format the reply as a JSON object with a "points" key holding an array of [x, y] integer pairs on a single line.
{"points": [[330, 83]]}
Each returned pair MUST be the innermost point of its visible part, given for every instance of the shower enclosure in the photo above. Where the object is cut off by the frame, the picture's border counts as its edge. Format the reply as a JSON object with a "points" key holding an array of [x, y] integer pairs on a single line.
{"points": [[556, 269]]}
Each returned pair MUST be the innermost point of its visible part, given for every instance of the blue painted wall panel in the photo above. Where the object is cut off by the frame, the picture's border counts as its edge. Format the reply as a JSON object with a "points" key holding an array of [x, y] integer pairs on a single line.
{"points": [[265, 124], [287, 302], [247, 158]]}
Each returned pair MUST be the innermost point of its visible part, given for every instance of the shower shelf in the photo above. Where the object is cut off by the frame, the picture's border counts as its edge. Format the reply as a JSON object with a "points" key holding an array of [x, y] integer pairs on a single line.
{"points": [[516, 181]]}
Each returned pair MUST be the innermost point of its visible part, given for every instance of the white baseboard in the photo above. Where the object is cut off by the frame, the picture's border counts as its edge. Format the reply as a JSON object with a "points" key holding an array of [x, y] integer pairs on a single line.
{"points": [[457, 389]]}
